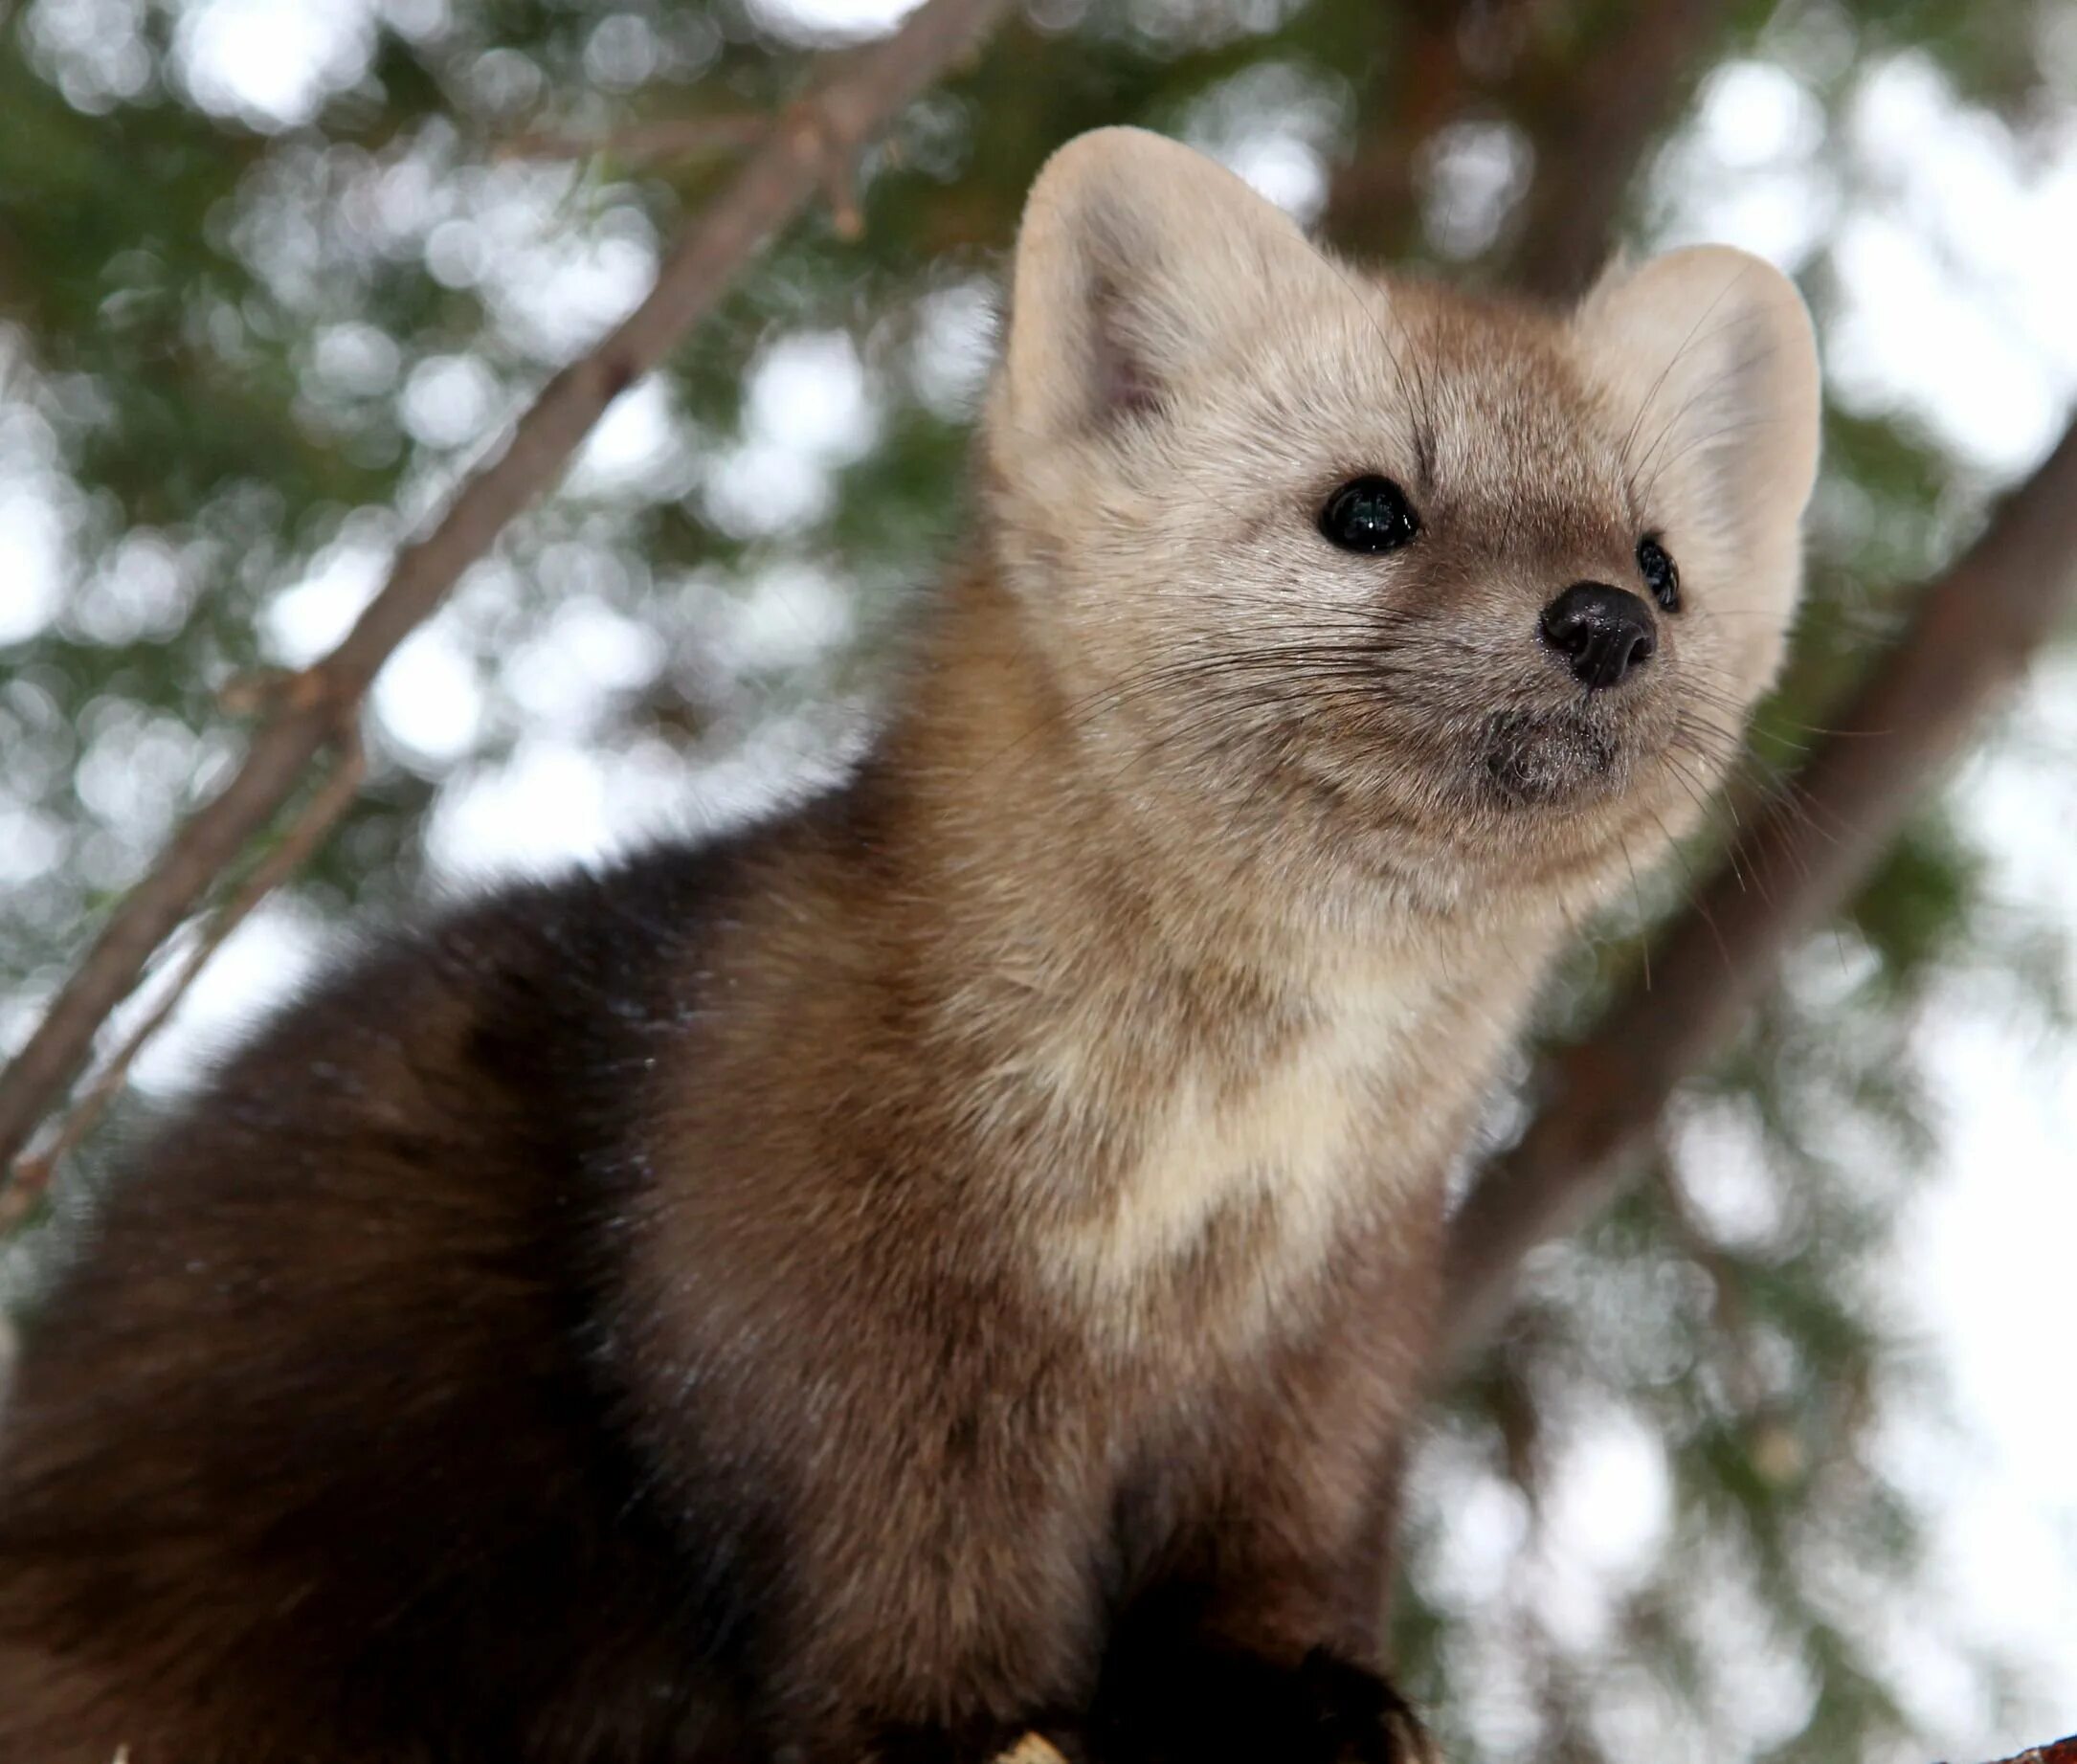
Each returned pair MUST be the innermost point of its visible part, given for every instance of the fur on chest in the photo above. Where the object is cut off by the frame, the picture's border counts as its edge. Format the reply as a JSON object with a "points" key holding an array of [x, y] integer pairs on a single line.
{"points": [[1235, 1180]]}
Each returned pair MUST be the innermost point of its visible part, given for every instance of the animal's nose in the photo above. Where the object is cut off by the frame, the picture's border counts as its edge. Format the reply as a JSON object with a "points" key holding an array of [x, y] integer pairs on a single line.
{"points": [[1604, 633]]}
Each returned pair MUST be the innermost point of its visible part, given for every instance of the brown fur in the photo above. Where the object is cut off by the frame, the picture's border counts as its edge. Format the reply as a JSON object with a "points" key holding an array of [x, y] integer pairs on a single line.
{"points": [[960, 1254]]}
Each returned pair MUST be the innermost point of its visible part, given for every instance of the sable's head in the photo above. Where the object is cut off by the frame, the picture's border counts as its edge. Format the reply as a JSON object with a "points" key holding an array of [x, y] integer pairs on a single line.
{"points": [[1377, 576]]}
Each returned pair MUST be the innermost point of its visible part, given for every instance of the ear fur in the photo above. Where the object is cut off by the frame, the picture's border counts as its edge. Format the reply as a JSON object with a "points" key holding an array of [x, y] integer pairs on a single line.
{"points": [[1713, 350], [1136, 257]]}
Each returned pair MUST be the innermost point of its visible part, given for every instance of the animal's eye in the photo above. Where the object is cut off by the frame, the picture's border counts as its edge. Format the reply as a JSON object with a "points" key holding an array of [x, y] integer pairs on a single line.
{"points": [[1369, 514], [1660, 573]]}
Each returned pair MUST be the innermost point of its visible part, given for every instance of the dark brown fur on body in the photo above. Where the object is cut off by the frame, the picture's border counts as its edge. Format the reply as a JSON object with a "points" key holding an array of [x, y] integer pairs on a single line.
{"points": [[957, 1256], [369, 1430]]}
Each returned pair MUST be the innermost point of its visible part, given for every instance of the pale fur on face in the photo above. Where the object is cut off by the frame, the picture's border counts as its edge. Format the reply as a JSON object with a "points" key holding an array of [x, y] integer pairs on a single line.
{"points": [[1187, 380], [1360, 785]]}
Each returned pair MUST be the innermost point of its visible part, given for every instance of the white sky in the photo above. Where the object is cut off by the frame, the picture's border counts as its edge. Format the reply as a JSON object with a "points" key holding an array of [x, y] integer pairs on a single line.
{"points": [[1957, 252]]}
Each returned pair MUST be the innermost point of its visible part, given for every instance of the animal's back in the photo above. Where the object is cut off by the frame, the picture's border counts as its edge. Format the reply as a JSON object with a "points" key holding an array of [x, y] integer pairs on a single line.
{"points": [[317, 1428]]}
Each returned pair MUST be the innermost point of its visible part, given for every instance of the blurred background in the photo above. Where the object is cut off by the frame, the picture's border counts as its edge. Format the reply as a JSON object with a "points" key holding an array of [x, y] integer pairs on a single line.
{"points": [[1778, 1460]]}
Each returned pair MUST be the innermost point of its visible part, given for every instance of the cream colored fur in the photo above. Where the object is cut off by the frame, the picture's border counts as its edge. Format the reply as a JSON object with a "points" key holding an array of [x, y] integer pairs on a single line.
{"points": [[1280, 741]]}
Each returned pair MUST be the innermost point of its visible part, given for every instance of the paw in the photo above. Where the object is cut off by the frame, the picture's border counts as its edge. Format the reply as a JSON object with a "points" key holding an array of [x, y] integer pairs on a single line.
{"points": [[1372, 1722], [1221, 1705]]}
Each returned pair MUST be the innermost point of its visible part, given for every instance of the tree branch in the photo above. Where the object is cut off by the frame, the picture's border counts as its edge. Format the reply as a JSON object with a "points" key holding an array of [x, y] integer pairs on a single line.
{"points": [[804, 155], [2059, 1751], [645, 144], [1592, 113], [1976, 628], [33, 1172], [1372, 202], [1592, 124]]}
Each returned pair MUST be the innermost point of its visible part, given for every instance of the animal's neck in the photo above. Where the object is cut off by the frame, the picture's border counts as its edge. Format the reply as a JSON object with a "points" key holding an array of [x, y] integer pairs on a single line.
{"points": [[1169, 1046]]}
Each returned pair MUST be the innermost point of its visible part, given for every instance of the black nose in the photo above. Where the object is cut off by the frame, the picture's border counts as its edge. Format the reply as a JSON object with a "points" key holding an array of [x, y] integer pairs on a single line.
{"points": [[1606, 634]]}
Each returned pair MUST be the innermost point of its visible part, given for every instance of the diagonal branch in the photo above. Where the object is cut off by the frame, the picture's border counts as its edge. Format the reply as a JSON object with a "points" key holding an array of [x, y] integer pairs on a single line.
{"points": [[804, 155], [33, 1172], [1976, 628]]}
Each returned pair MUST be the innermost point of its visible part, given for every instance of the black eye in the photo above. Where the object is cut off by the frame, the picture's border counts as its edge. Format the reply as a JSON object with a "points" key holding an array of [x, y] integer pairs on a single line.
{"points": [[1369, 514], [1660, 575]]}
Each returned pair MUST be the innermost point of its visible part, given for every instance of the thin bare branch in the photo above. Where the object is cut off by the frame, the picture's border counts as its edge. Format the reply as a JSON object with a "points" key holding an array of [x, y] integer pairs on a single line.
{"points": [[645, 144], [1976, 628], [790, 164], [33, 1172]]}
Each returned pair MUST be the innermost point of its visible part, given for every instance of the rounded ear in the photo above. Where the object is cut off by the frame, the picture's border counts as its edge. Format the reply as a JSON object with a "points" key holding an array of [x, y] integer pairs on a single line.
{"points": [[1136, 257], [1711, 356]]}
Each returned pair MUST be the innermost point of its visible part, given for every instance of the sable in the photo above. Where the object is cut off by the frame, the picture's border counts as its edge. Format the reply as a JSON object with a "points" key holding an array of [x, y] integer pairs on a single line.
{"points": [[956, 1259]]}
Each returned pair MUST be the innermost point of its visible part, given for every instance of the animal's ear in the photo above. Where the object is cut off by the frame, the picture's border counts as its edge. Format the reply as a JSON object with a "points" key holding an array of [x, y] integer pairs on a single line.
{"points": [[1711, 357], [1136, 257]]}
